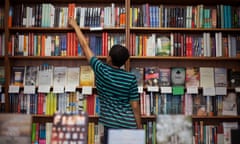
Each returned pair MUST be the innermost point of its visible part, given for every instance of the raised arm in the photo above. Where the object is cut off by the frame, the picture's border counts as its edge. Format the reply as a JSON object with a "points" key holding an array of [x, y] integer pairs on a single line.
{"points": [[84, 45]]}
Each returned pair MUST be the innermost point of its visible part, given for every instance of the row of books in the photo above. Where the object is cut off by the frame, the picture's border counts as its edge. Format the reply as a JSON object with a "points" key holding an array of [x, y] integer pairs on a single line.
{"points": [[35, 44], [1, 17], [50, 103], [198, 16], [224, 132], [180, 44], [50, 15], [2, 44], [186, 76], [155, 103], [49, 75]]}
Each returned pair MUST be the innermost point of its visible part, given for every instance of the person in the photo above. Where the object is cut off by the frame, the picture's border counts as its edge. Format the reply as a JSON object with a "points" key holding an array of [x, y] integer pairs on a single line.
{"points": [[117, 89]]}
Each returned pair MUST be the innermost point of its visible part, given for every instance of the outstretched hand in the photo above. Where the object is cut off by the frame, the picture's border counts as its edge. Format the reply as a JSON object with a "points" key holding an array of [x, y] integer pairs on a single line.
{"points": [[72, 22]]}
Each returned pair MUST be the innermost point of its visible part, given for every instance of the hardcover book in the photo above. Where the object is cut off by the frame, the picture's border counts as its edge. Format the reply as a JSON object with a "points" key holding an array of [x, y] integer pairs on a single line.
{"points": [[164, 76], [174, 129], [17, 76], [151, 76], [87, 77], [31, 75], [178, 76], [220, 77], [139, 73], [192, 77]]}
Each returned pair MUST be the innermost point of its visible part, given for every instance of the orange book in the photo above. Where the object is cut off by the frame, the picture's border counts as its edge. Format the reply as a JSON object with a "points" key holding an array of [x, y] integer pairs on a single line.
{"points": [[43, 39], [122, 17], [10, 17]]}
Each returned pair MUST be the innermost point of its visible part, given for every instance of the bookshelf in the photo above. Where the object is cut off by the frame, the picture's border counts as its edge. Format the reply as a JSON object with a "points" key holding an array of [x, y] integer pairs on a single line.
{"points": [[11, 59]]}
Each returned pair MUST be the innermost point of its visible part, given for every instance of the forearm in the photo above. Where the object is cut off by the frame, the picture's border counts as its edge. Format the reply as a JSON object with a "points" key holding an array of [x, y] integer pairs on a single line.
{"points": [[137, 113]]}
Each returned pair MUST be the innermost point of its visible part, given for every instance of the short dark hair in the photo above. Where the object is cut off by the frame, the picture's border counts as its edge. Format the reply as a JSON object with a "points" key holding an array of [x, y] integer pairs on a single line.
{"points": [[119, 55]]}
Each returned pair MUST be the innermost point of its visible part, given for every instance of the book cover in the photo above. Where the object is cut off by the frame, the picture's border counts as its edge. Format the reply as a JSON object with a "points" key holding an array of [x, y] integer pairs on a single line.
{"points": [[73, 74], [68, 128], [151, 76], [45, 75], [87, 77], [164, 76], [178, 76], [174, 129], [59, 76], [233, 77], [163, 46], [227, 127], [139, 73], [206, 76], [230, 104], [220, 77], [17, 75], [30, 75], [199, 105], [192, 77], [2, 75], [15, 128]]}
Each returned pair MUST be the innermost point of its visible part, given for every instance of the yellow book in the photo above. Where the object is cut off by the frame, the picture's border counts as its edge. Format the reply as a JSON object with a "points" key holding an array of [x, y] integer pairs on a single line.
{"points": [[86, 76]]}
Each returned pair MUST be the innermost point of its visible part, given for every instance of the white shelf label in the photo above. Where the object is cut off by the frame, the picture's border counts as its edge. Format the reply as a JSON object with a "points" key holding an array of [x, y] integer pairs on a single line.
{"points": [[209, 91], [192, 90], [87, 90], [237, 89], [29, 90], [13, 89], [140, 89], [44, 88], [221, 91], [152, 88], [166, 89], [70, 88], [58, 89]]}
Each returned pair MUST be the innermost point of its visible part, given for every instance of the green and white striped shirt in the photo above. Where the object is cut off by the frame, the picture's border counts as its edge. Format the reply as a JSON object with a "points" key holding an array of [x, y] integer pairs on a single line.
{"points": [[116, 88]]}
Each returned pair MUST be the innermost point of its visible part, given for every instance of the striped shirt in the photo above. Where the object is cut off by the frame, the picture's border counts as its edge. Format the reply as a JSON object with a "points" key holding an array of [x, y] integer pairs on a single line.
{"points": [[116, 88]]}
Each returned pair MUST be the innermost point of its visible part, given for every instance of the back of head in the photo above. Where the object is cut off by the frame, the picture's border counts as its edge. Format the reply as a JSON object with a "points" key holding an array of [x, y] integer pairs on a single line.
{"points": [[119, 55]]}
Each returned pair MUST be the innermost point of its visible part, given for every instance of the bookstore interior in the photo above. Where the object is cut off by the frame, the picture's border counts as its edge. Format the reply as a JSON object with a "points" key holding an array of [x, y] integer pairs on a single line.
{"points": [[185, 55]]}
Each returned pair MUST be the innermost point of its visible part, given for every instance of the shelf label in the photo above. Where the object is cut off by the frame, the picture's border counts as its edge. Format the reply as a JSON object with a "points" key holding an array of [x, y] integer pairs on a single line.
{"points": [[237, 89], [166, 89], [29, 90], [221, 91], [140, 89], [87, 90], [70, 88], [44, 88], [13, 89], [153, 89], [209, 91], [178, 90], [2, 98], [192, 90], [58, 89]]}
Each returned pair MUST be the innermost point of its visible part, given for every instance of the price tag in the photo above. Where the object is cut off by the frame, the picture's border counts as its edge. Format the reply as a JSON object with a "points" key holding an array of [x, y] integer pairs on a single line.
{"points": [[140, 89], [209, 91], [166, 89], [221, 91], [58, 89], [178, 90], [192, 90], [44, 89], [29, 90], [87, 90], [70, 88], [13, 89], [153, 88], [237, 89]]}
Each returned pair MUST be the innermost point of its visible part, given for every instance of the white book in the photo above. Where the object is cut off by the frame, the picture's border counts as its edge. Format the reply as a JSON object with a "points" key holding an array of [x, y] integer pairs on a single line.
{"points": [[73, 75], [59, 76], [45, 75], [206, 77]]}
